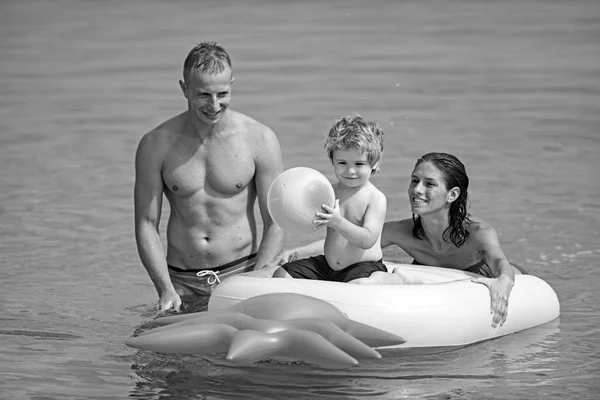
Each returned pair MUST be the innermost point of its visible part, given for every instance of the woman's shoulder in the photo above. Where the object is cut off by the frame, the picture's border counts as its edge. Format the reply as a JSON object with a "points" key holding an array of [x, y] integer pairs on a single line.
{"points": [[480, 230]]}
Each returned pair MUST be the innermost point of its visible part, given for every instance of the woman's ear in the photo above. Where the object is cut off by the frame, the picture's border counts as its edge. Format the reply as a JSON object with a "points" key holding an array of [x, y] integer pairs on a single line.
{"points": [[453, 194]]}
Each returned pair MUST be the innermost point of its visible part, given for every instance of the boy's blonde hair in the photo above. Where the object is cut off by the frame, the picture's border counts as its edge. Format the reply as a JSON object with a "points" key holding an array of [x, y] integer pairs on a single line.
{"points": [[356, 133]]}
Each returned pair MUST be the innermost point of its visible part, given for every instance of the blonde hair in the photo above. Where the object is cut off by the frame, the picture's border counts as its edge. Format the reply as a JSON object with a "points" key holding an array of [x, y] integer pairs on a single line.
{"points": [[208, 57], [356, 133]]}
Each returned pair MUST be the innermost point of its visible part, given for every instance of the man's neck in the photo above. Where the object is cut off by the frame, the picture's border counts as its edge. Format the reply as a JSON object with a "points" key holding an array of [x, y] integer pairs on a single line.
{"points": [[202, 129]]}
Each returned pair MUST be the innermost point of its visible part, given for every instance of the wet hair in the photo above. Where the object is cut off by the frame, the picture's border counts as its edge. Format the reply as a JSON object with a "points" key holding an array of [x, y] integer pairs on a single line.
{"points": [[356, 133], [454, 175], [207, 57]]}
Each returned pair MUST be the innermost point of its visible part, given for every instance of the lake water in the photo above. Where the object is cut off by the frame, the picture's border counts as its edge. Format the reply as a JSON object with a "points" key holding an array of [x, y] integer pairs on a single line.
{"points": [[512, 88]]}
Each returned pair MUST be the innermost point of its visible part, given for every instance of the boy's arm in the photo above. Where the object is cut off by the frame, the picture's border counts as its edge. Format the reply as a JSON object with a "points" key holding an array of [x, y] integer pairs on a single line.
{"points": [[364, 236]]}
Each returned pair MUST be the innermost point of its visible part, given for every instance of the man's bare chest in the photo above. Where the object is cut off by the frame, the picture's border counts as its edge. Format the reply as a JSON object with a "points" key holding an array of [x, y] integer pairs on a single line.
{"points": [[215, 171]]}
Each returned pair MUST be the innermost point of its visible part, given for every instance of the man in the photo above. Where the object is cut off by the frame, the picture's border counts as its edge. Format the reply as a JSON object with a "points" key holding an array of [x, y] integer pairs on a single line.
{"points": [[212, 164]]}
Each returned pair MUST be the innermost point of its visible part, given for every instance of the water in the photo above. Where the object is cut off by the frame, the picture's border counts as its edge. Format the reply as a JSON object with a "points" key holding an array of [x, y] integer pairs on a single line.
{"points": [[511, 87]]}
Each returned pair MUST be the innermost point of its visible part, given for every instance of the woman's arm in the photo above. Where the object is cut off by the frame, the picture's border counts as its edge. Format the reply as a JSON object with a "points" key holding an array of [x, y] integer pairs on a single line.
{"points": [[501, 286], [389, 233], [397, 233]]}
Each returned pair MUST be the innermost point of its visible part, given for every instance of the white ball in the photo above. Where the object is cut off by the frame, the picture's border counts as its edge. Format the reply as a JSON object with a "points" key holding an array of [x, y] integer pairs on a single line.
{"points": [[296, 195]]}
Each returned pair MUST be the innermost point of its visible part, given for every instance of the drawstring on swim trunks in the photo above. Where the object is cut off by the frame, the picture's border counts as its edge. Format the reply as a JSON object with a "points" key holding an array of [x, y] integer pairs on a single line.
{"points": [[212, 279]]}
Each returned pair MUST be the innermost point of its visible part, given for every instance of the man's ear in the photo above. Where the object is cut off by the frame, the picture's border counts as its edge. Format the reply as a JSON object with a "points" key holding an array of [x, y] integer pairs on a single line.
{"points": [[183, 87], [453, 195]]}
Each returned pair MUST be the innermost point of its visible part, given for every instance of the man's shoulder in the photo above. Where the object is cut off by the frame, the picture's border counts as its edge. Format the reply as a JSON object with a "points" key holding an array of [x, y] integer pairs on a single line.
{"points": [[165, 131], [249, 125], [155, 144], [258, 138]]}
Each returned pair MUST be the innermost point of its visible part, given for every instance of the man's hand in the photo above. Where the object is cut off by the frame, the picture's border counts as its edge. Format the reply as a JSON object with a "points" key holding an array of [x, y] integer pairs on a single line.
{"points": [[169, 301], [285, 256]]}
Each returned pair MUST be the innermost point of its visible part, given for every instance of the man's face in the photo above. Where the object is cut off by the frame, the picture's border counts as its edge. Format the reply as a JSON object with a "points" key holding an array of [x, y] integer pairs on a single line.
{"points": [[208, 94]]}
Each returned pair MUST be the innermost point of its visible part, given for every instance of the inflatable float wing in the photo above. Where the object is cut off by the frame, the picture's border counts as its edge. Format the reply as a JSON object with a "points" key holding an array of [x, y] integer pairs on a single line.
{"points": [[283, 326], [189, 333], [252, 346], [442, 309], [205, 339]]}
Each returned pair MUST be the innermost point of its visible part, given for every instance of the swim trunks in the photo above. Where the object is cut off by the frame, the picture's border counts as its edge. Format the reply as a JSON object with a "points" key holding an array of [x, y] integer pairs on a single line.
{"points": [[195, 286], [481, 268], [317, 268]]}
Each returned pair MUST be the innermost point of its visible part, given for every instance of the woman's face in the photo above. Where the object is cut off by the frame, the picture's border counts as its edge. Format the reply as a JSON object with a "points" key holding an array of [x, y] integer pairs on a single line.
{"points": [[427, 192]]}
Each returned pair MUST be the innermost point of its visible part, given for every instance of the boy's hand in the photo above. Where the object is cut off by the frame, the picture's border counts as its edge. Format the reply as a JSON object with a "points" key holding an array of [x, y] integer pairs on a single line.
{"points": [[332, 217]]}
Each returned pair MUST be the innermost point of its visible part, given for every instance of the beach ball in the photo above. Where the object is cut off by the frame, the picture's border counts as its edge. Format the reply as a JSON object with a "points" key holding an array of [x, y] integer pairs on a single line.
{"points": [[295, 196]]}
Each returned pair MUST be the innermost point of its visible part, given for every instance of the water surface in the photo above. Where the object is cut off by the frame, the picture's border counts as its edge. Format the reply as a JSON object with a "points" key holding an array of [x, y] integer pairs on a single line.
{"points": [[512, 88]]}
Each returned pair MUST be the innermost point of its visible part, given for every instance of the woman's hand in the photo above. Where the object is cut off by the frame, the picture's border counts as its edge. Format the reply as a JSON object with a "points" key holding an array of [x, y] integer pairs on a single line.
{"points": [[500, 289]]}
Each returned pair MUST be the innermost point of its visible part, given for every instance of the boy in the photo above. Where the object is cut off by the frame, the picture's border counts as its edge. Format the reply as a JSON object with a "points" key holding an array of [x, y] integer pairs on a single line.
{"points": [[354, 223]]}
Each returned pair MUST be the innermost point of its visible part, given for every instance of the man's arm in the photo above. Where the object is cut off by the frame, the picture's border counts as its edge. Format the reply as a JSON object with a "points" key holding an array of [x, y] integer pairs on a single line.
{"points": [[148, 194], [298, 253], [269, 164]]}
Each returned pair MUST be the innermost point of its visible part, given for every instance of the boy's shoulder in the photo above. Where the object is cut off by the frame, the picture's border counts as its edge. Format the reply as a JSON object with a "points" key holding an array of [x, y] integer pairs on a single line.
{"points": [[368, 193], [375, 193]]}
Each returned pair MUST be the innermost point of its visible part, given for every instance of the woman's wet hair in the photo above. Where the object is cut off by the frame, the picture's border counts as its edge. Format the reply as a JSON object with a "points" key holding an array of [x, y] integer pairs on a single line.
{"points": [[207, 57], [454, 175]]}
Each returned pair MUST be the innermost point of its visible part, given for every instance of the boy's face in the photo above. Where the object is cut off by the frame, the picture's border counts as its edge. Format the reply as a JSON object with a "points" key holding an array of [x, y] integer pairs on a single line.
{"points": [[351, 167]]}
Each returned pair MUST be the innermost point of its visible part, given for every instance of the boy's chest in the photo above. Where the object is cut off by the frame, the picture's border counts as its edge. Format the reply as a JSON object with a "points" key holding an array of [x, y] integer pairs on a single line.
{"points": [[353, 209]]}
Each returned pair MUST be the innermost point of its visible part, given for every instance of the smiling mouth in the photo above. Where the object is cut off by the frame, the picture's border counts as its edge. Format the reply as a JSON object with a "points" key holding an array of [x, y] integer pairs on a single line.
{"points": [[211, 115], [417, 202]]}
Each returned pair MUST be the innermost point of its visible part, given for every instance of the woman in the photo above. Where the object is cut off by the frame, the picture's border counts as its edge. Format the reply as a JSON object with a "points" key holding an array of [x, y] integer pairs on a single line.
{"points": [[442, 233]]}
